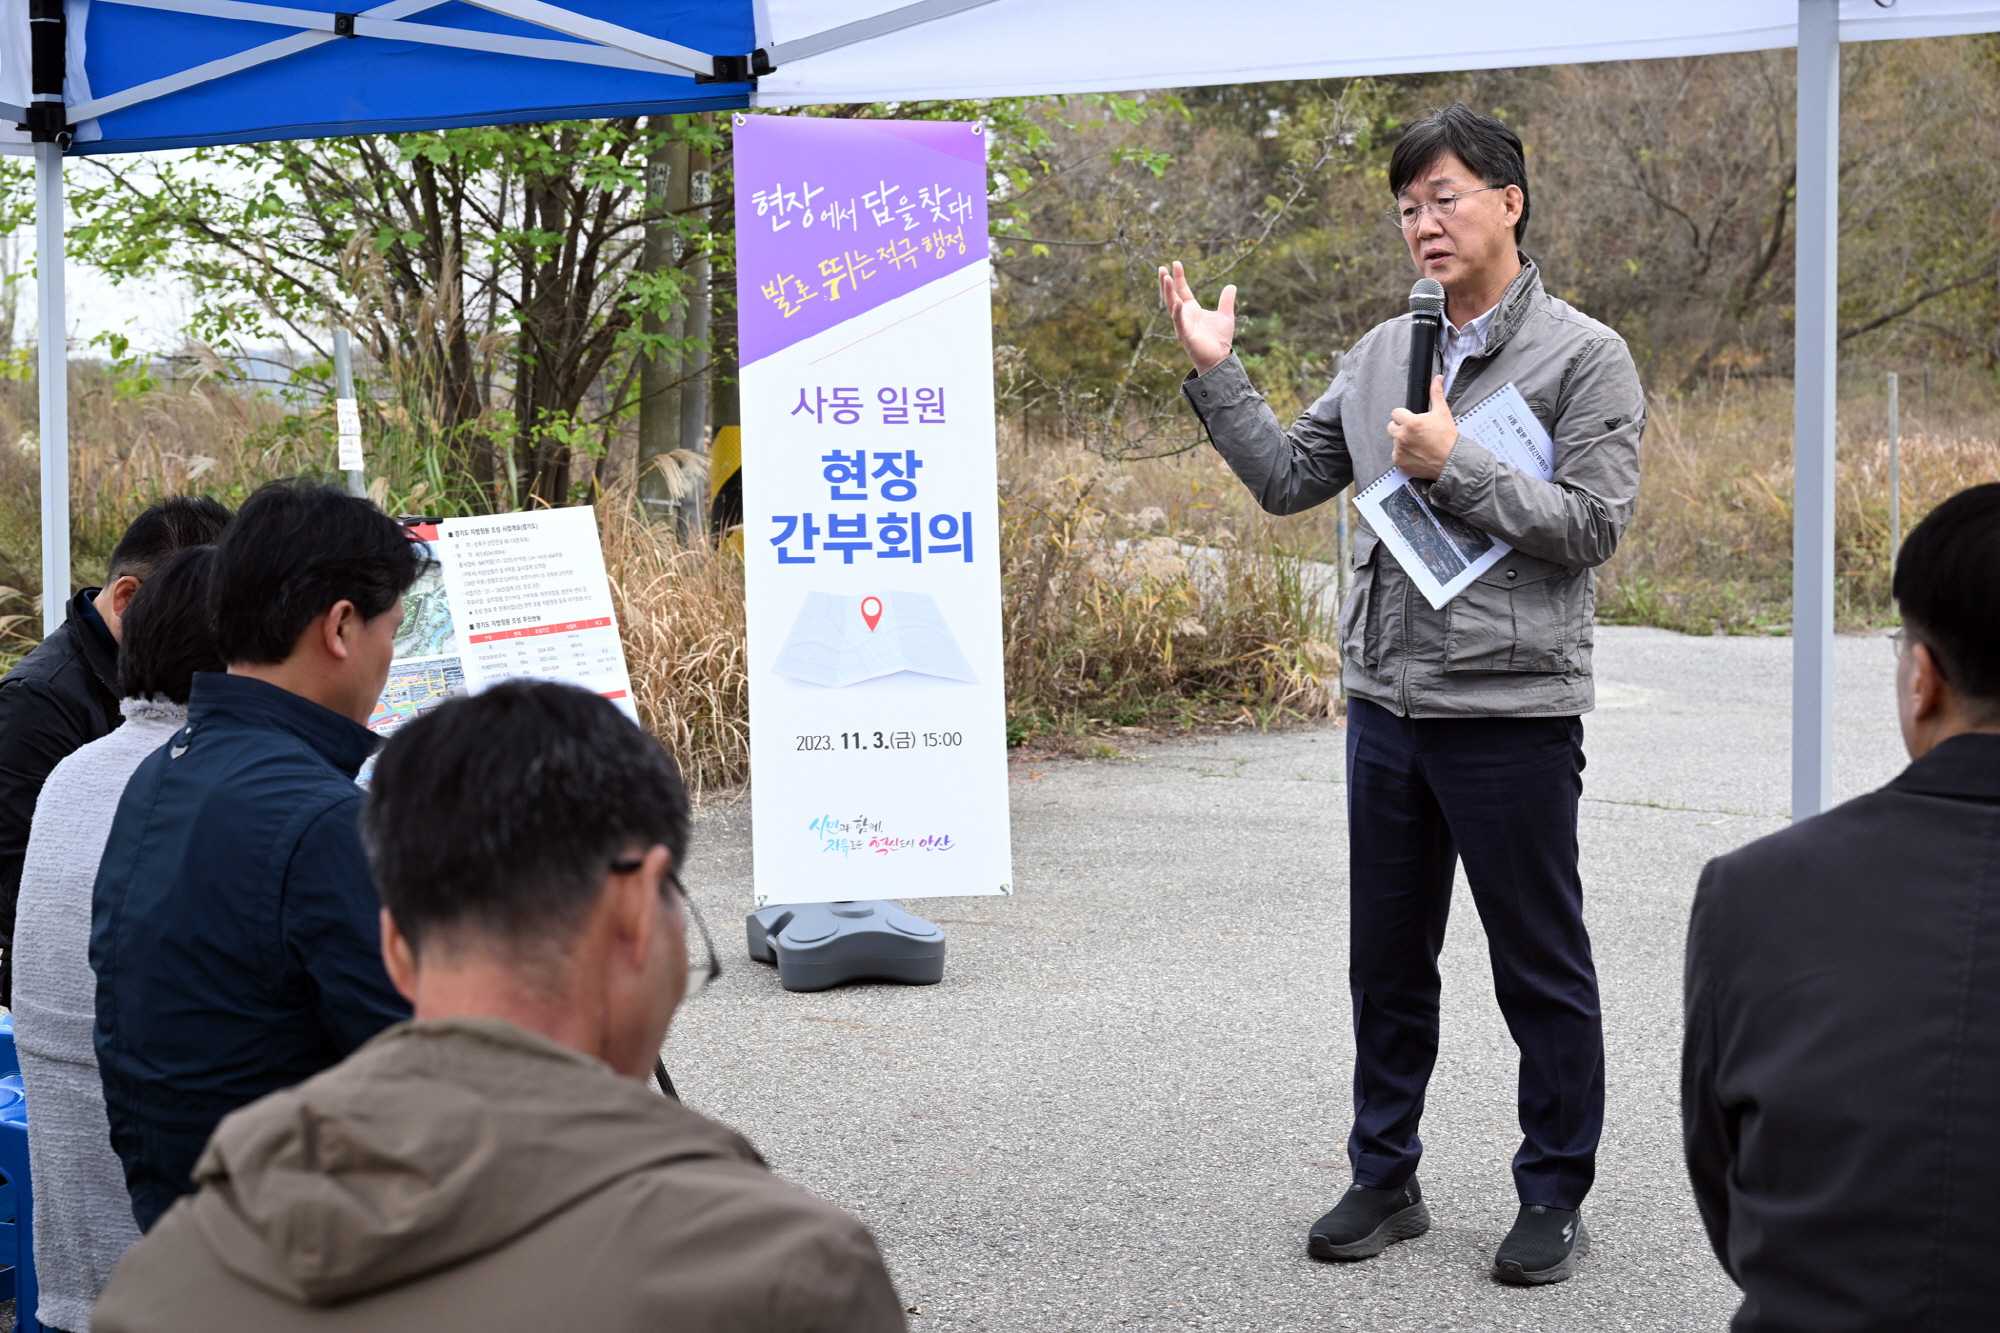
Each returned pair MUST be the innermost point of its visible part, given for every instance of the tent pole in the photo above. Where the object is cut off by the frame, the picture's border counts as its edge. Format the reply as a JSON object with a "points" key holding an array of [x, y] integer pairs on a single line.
{"points": [[52, 339], [1813, 415]]}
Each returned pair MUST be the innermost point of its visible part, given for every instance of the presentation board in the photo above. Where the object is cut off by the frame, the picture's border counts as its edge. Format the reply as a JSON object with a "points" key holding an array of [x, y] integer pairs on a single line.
{"points": [[508, 595], [878, 744]]}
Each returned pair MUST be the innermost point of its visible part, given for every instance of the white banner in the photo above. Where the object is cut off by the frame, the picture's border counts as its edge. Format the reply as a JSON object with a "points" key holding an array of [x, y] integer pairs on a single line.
{"points": [[878, 744]]}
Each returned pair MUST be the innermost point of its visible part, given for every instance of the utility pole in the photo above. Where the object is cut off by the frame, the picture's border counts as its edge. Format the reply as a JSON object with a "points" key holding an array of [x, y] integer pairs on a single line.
{"points": [[694, 394], [659, 394]]}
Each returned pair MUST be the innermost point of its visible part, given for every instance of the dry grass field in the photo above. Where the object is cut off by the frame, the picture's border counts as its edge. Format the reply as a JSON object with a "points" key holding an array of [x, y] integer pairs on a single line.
{"points": [[1137, 595], [1710, 548]]}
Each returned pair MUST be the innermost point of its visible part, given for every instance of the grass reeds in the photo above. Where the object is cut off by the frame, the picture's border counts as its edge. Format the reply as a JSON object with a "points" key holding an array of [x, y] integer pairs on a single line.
{"points": [[680, 612], [1710, 546], [1109, 626], [1142, 595]]}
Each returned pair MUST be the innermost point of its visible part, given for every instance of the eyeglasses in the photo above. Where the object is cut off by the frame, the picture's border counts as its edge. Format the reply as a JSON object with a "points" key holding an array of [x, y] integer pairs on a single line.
{"points": [[1899, 639], [1405, 216], [704, 966]]}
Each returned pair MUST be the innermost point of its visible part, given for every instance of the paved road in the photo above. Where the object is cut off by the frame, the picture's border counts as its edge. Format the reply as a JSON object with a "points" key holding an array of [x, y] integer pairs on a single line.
{"points": [[1127, 1100]]}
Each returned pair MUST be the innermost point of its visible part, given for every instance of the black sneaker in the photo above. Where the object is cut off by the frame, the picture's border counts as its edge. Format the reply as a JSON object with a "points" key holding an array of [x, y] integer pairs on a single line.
{"points": [[1542, 1247], [1365, 1221]]}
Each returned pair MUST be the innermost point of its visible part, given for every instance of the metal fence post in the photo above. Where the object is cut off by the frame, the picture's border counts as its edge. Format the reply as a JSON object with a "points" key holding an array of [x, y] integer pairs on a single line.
{"points": [[52, 357], [1895, 476], [1813, 417]]}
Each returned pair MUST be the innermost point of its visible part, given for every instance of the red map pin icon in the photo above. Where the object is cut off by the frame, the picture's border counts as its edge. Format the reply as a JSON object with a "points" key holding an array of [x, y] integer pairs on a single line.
{"points": [[871, 611]]}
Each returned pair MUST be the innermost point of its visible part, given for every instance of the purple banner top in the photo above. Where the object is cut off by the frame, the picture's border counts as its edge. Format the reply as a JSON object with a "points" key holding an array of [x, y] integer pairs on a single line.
{"points": [[836, 217]]}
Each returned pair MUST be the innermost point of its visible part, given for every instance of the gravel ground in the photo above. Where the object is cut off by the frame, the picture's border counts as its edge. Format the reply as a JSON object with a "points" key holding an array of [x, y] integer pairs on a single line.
{"points": [[1128, 1098]]}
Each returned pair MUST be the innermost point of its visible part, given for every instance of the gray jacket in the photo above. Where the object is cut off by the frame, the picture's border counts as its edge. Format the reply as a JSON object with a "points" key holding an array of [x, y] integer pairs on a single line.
{"points": [[83, 1216], [1517, 641]]}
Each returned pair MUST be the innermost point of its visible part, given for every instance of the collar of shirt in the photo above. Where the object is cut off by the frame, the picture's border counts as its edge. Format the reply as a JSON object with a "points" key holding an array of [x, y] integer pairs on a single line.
{"points": [[342, 742], [1966, 766], [86, 609], [1462, 343]]}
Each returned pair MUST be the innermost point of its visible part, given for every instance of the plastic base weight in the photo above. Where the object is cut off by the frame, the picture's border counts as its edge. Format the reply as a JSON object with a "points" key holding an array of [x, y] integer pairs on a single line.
{"points": [[817, 946]]}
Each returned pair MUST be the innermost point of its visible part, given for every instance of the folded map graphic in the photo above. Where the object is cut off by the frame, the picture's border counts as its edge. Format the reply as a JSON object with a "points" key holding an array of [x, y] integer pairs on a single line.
{"points": [[843, 640]]}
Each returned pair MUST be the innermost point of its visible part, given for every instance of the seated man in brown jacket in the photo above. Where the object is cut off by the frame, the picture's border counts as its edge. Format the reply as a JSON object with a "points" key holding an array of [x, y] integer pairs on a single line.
{"points": [[499, 1162]]}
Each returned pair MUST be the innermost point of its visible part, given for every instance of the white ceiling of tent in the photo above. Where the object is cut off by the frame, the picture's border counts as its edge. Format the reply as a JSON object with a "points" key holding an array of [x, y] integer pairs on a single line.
{"points": [[1017, 47]]}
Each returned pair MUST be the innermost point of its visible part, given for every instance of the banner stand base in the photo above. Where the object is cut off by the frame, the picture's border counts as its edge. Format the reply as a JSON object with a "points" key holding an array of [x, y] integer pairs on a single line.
{"points": [[817, 946]]}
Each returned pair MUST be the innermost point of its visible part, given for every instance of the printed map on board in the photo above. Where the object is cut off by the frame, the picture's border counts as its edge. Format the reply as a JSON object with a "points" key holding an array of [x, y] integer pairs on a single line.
{"points": [[415, 687], [427, 629], [427, 669]]}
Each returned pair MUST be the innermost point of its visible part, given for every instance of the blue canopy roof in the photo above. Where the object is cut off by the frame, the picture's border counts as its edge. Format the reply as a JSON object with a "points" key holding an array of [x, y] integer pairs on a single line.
{"points": [[147, 74], [313, 83]]}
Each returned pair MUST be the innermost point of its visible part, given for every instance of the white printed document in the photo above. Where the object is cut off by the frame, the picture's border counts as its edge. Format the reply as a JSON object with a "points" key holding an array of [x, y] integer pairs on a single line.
{"points": [[1441, 552], [510, 595]]}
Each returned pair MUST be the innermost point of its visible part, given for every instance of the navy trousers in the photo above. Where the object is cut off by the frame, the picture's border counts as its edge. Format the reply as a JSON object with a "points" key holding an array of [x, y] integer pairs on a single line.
{"points": [[1501, 793]]}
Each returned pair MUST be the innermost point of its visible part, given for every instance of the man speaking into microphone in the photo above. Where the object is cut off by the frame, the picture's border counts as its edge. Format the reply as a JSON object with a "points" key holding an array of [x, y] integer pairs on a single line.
{"points": [[1464, 736]]}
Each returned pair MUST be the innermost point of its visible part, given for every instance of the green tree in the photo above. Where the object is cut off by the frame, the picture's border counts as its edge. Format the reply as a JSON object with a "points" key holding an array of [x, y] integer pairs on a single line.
{"points": [[493, 275]]}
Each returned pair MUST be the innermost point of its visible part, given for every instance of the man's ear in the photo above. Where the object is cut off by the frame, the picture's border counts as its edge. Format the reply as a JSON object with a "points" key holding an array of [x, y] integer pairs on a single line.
{"points": [[399, 958], [341, 621], [123, 589], [636, 905], [1930, 691]]}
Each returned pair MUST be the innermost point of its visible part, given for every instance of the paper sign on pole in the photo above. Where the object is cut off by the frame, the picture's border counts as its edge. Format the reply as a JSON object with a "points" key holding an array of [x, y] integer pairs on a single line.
{"points": [[347, 418], [878, 744], [511, 595]]}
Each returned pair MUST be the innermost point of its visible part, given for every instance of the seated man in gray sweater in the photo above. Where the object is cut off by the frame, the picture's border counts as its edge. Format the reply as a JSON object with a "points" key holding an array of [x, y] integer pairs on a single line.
{"points": [[83, 1216], [64, 694]]}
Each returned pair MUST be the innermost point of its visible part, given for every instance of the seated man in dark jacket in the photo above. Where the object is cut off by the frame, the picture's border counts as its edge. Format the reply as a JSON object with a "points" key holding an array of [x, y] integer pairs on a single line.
{"points": [[64, 694], [1841, 1077], [233, 927], [500, 1162]]}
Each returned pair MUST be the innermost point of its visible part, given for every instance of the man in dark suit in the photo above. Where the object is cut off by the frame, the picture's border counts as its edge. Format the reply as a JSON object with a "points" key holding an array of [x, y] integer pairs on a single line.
{"points": [[1840, 1081]]}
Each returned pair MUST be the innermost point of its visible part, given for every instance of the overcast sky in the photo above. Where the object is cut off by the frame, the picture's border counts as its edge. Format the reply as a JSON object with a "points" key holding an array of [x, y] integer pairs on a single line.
{"points": [[151, 314]]}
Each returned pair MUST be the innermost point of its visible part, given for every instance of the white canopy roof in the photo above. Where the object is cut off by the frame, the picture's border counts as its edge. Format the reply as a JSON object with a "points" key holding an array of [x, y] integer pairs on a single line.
{"points": [[1017, 47]]}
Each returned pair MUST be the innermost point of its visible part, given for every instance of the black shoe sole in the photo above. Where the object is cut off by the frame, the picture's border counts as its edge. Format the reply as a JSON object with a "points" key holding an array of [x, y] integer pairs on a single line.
{"points": [[1412, 1221], [1514, 1275]]}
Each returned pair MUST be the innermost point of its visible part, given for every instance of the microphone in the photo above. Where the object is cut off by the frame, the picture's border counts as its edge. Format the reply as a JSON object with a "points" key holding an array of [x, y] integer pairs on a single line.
{"points": [[1426, 332]]}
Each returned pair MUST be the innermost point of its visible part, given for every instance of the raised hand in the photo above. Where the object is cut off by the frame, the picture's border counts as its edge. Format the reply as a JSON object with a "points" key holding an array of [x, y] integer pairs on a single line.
{"points": [[1206, 335]]}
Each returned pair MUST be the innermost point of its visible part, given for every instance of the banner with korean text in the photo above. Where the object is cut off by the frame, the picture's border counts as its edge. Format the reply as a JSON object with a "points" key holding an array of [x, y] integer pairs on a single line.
{"points": [[878, 741]]}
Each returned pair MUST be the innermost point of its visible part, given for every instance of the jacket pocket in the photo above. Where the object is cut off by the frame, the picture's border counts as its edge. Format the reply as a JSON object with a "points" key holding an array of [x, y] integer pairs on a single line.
{"points": [[1515, 617], [1355, 630]]}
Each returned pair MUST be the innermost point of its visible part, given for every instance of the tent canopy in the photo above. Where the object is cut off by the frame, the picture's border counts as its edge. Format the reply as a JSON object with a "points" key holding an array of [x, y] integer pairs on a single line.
{"points": [[111, 76], [146, 74]]}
